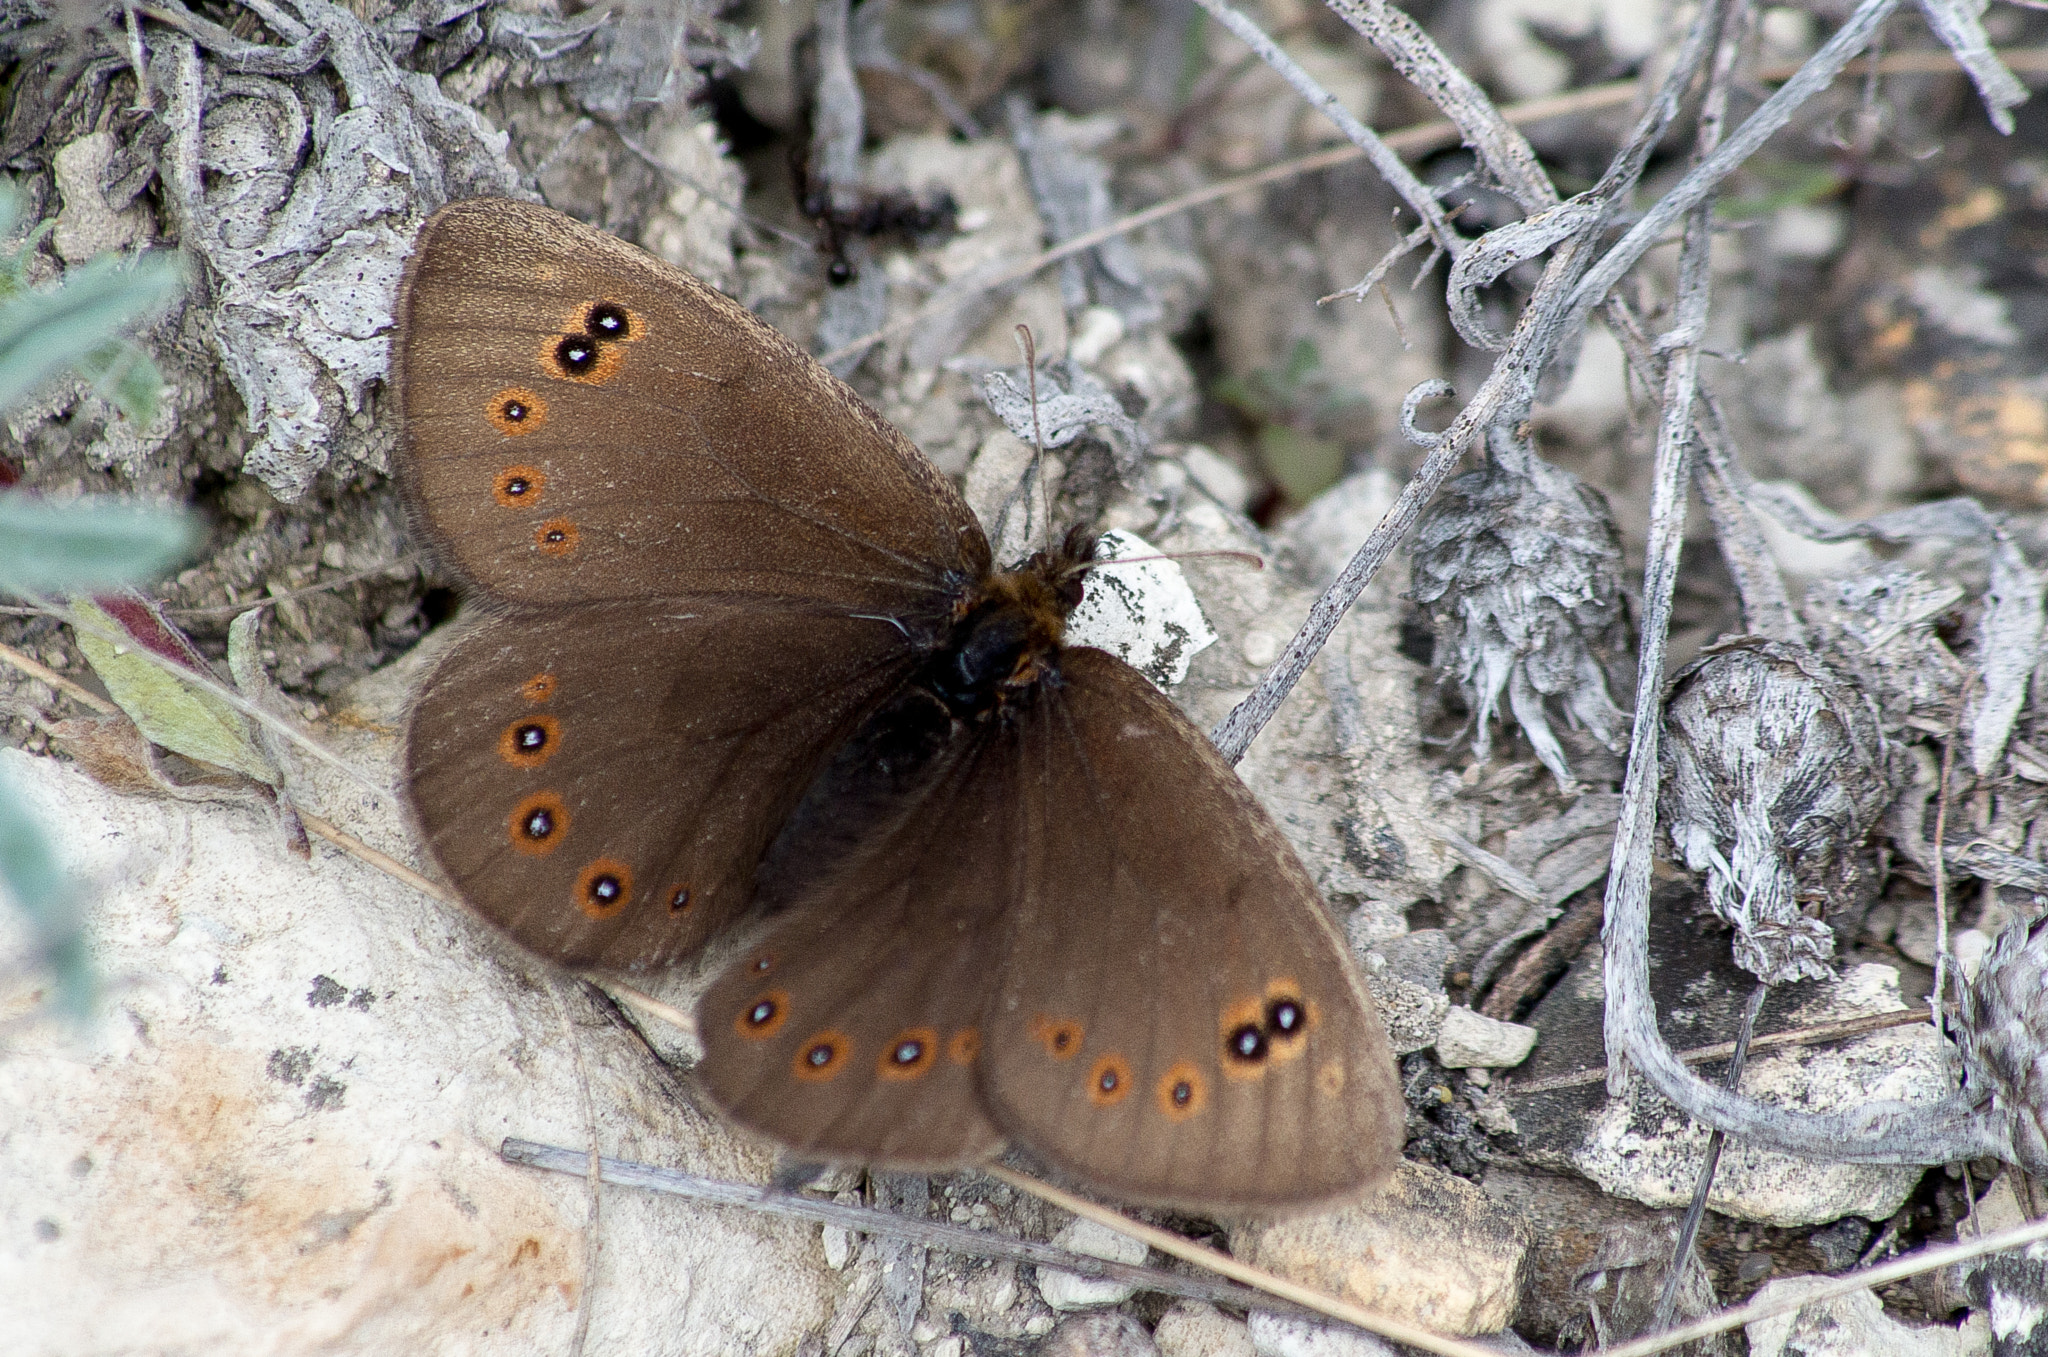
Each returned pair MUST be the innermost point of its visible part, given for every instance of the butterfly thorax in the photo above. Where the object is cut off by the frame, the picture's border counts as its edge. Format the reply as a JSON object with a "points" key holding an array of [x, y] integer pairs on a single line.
{"points": [[1006, 637]]}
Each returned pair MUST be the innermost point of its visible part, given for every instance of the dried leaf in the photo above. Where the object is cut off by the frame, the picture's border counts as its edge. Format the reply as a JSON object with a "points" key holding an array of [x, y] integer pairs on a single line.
{"points": [[179, 716]]}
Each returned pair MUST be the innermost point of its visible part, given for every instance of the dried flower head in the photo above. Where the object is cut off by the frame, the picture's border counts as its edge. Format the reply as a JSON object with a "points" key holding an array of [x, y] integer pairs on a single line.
{"points": [[1774, 771], [1518, 567], [2004, 1022]]}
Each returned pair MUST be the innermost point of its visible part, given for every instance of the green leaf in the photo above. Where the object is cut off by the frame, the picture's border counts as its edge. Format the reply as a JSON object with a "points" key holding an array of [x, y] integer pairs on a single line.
{"points": [[170, 712], [1301, 464], [42, 333], [84, 546], [30, 876], [124, 374]]}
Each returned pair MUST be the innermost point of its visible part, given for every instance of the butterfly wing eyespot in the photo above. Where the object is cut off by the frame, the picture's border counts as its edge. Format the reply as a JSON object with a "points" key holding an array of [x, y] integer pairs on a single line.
{"points": [[680, 898], [822, 1056], [538, 824], [1182, 1092], [1288, 1018], [612, 322], [910, 1054], [586, 359], [1109, 1081], [764, 1016], [556, 537], [1061, 1037], [530, 741], [519, 487], [604, 887], [516, 410], [539, 688], [964, 1046]]}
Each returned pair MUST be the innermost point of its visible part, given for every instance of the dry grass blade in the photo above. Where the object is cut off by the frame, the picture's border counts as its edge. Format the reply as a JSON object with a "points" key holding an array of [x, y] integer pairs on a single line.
{"points": [[867, 1220], [1169, 1243], [1912, 1265], [1721, 1050]]}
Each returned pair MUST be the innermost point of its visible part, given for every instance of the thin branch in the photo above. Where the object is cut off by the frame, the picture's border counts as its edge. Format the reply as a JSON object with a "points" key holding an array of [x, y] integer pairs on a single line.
{"points": [[84, 697], [1689, 1228], [1166, 1242], [1421, 198], [1844, 1029], [369, 856], [870, 1221], [1912, 1265]]}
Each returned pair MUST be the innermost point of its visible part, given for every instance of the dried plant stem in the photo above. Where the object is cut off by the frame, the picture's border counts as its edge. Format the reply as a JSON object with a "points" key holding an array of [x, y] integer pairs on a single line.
{"points": [[1912, 1265], [867, 1220], [1169, 1243], [1689, 1228], [369, 856], [1938, 996], [1553, 950], [1843, 1030], [1421, 199], [84, 697]]}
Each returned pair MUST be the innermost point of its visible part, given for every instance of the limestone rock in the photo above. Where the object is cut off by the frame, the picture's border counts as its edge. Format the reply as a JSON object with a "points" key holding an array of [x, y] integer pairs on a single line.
{"points": [[281, 1134], [1194, 1329], [1065, 1291], [1469, 1039], [1426, 1247]]}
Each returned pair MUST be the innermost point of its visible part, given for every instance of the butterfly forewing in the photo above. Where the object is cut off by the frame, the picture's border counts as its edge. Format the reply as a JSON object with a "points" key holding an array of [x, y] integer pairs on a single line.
{"points": [[1176, 1020], [585, 422]]}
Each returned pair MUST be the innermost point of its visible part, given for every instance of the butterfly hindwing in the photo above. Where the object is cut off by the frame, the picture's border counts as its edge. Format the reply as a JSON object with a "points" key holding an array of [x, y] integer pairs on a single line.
{"points": [[854, 1029], [600, 782], [1176, 1019]]}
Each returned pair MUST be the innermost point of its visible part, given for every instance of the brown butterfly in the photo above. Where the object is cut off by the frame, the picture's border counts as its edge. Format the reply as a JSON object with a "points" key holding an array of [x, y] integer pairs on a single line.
{"points": [[745, 653]]}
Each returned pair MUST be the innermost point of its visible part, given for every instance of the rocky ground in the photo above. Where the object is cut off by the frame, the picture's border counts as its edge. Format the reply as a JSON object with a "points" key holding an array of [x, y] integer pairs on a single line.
{"points": [[282, 1134]]}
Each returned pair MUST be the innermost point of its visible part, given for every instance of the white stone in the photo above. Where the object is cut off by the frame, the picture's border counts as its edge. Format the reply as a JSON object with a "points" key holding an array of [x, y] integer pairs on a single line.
{"points": [[1467, 1039], [1194, 1329], [1425, 1246], [838, 1246], [1218, 475], [1640, 1147], [1334, 525], [1956, 299], [1291, 1336], [281, 1134], [1807, 231], [1096, 330], [1856, 1325], [1144, 614], [1597, 396], [1066, 1291]]}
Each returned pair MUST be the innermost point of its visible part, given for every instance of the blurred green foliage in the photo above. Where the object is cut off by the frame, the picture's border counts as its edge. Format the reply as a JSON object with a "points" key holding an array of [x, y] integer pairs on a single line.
{"points": [[80, 546], [1286, 404]]}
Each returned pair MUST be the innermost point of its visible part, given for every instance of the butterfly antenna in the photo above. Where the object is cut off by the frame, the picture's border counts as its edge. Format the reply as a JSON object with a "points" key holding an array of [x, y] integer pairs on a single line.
{"points": [[1029, 344], [1252, 559]]}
